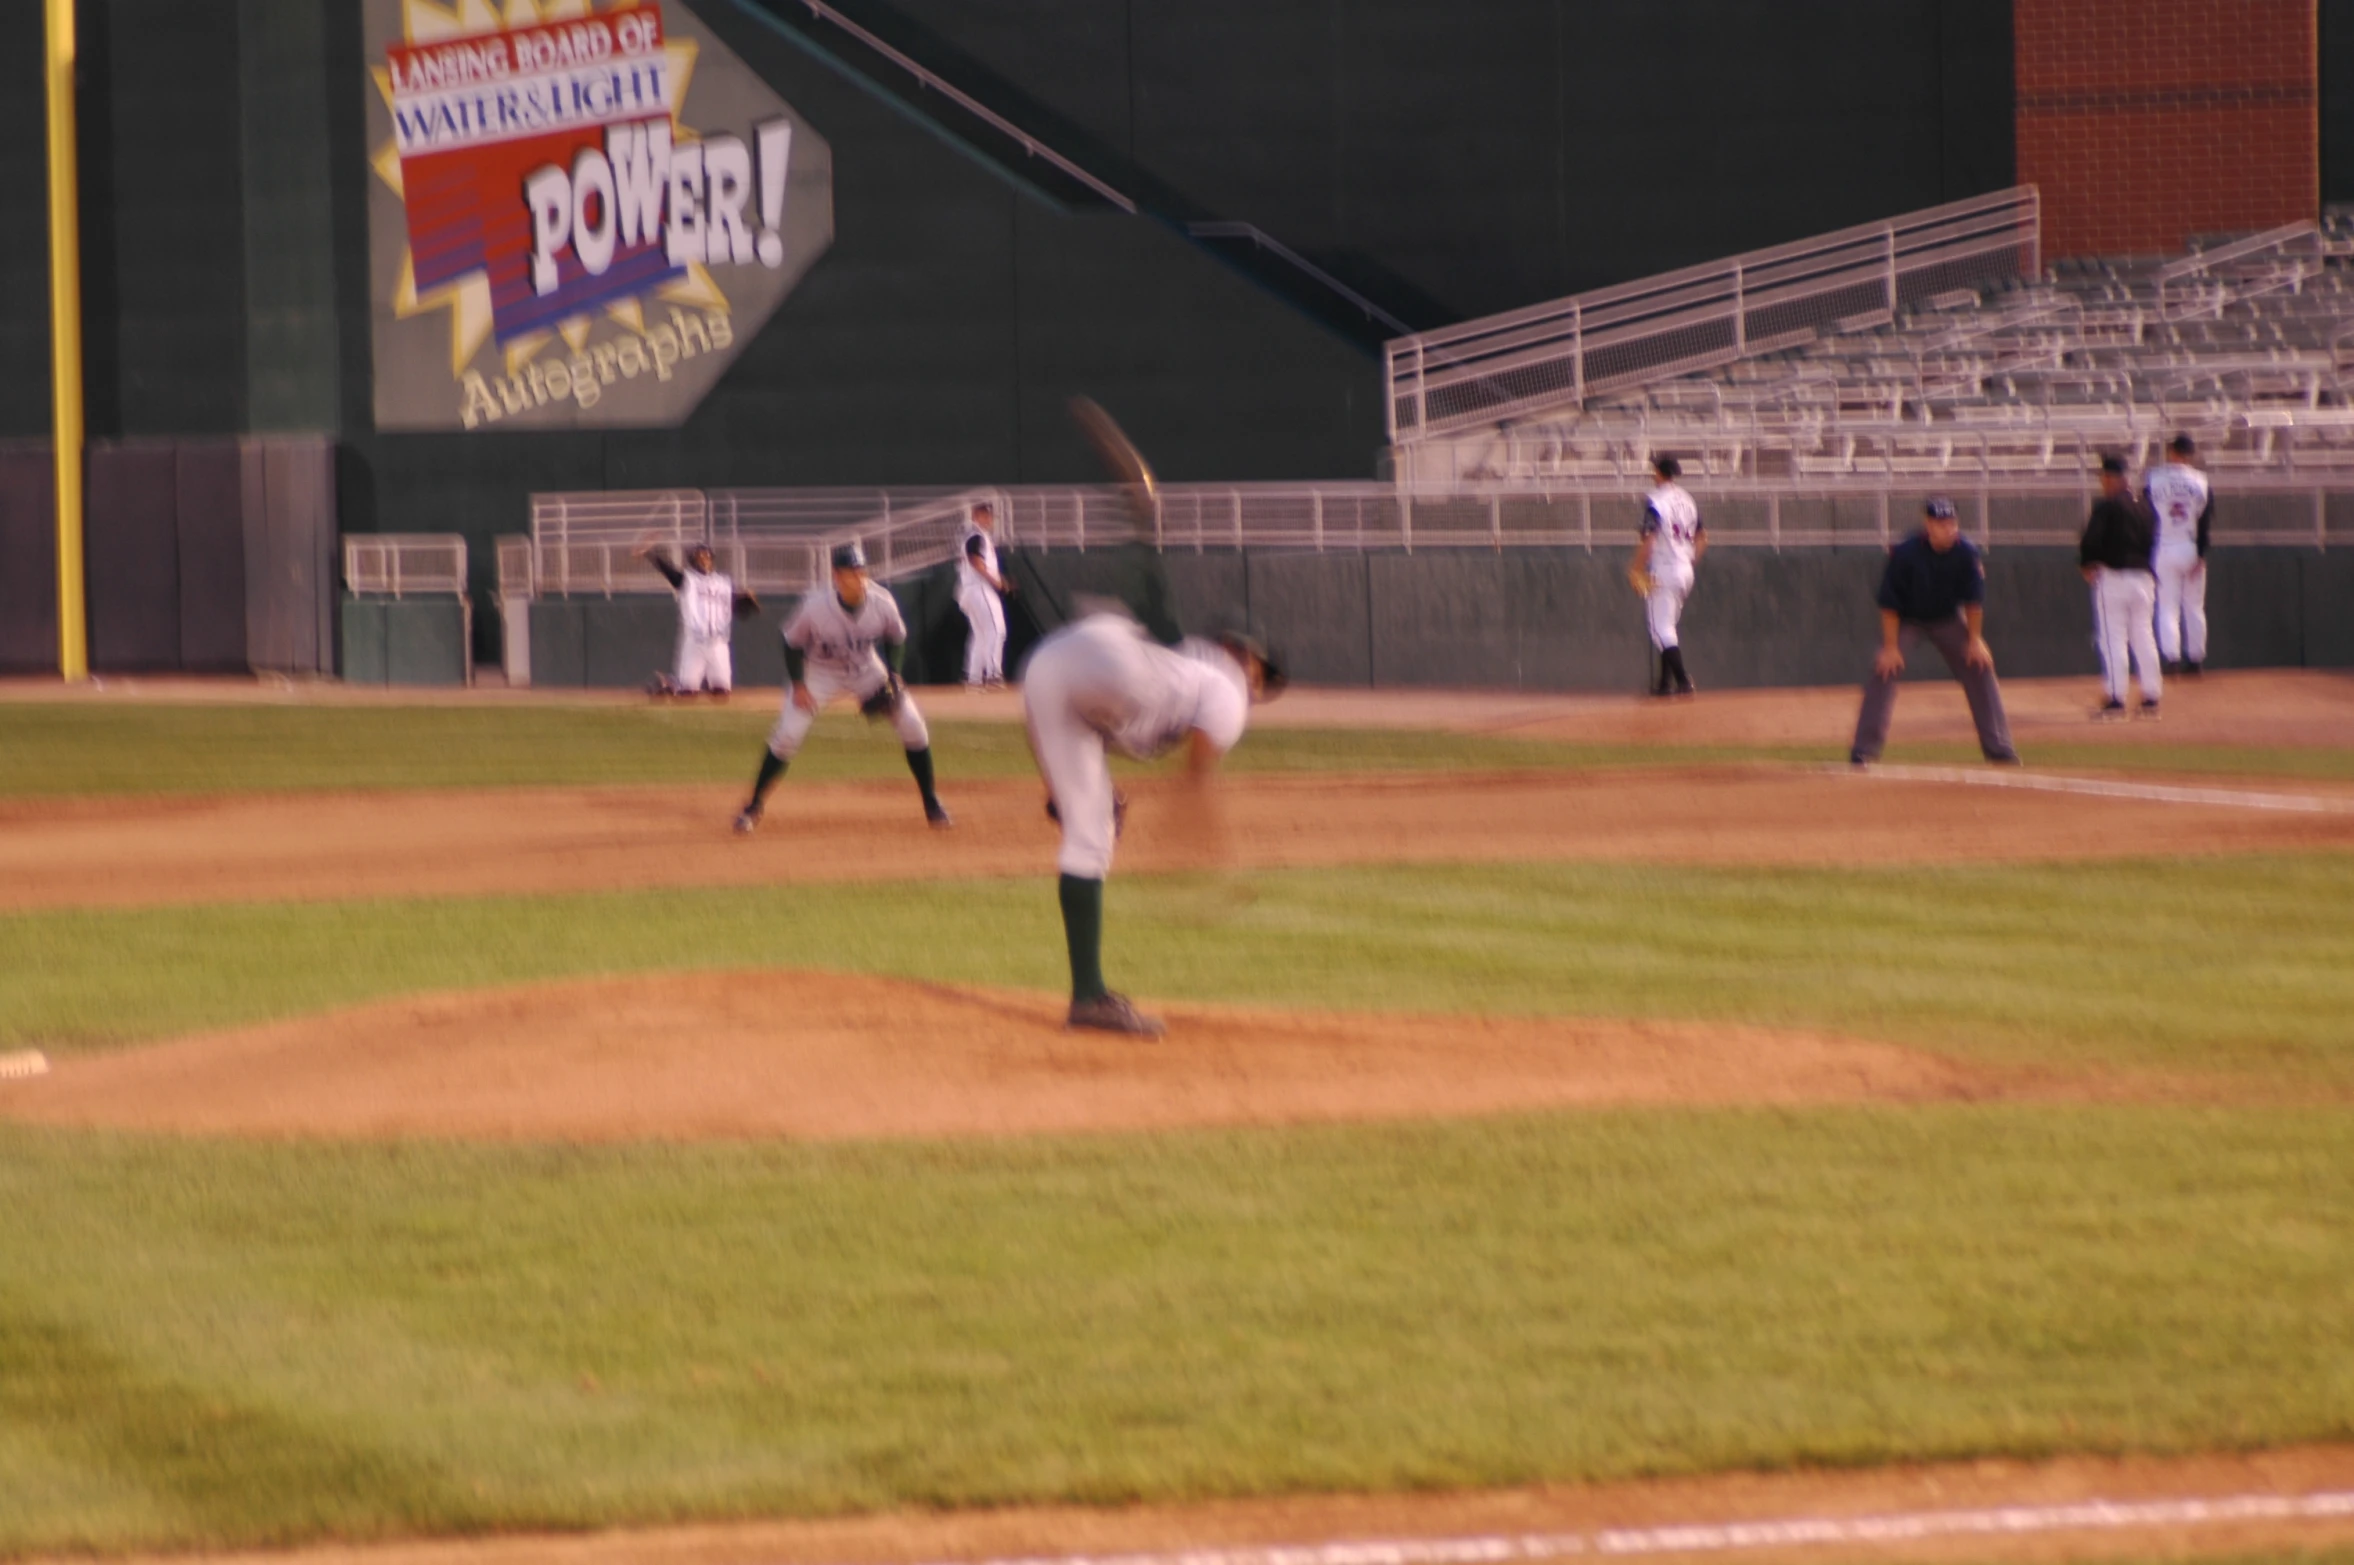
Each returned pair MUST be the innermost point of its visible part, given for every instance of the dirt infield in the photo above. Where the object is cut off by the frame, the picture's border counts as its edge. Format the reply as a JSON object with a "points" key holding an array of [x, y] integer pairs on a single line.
{"points": [[834, 1057], [1501, 1519], [127, 852]]}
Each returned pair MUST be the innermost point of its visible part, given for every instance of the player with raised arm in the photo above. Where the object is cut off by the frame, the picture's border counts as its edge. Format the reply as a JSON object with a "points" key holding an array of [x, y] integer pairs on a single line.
{"points": [[709, 603], [845, 642]]}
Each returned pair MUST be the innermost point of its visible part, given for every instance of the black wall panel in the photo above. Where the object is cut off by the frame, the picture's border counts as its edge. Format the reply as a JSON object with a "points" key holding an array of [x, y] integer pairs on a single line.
{"points": [[164, 256], [131, 534], [1438, 619], [2326, 598], [559, 642], [1577, 625], [209, 509], [2256, 608], [24, 230], [28, 559], [1316, 608], [626, 641], [425, 641]]}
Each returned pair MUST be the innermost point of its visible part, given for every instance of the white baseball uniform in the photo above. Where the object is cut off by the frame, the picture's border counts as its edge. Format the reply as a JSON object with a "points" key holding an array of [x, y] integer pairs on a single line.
{"points": [[1672, 522], [984, 611], [706, 621], [2183, 507], [840, 654], [1101, 682]]}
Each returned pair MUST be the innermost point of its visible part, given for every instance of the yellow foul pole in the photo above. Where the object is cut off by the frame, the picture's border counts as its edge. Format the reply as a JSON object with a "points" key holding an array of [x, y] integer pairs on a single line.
{"points": [[65, 340]]}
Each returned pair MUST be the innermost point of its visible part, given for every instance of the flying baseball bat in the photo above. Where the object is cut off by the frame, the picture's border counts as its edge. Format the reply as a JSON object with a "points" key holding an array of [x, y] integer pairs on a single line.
{"points": [[1123, 461]]}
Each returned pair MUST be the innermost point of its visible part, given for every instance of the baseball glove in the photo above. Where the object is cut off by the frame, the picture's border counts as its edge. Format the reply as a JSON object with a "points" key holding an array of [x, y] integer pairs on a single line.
{"points": [[1639, 579], [886, 698]]}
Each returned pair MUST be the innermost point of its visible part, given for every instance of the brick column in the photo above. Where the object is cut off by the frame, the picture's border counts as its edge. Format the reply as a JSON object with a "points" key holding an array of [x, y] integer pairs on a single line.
{"points": [[2149, 120]]}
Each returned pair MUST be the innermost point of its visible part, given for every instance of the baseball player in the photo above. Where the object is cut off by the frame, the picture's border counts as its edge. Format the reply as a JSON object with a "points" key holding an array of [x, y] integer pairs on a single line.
{"points": [[708, 605], [1102, 682], [1673, 542], [1934, 590], [845, 642], [980, 593], [2183, 509], [2114, 555]]}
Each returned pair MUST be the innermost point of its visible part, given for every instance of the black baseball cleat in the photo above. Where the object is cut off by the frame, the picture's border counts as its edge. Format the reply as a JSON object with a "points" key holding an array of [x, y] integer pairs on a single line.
{"points": [[2110, 712], [2149, 709], [1114, 1013], [2191, 669], [937, 814], [747, 820]]}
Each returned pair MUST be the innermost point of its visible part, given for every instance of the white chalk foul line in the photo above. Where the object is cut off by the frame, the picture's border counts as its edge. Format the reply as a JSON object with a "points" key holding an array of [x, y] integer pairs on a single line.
{"points": [[2105, 788], [1705, 1538]]}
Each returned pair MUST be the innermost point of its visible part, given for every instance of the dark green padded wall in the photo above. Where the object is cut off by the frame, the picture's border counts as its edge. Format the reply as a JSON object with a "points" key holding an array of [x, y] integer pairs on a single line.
{"points": [[24, 228], [1503, 152]]}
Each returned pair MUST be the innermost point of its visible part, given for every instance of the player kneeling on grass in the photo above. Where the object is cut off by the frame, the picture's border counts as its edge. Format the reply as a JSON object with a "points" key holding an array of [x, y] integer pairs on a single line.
{"points": [[709, 603], [1103, 682], [846, 642]]}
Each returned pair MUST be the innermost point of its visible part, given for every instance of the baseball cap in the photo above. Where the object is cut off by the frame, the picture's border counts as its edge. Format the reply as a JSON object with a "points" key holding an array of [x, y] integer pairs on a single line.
{"points": [[1667, 467], [2113, 463], [849, 556], [1940, 507], [2181, 445]]}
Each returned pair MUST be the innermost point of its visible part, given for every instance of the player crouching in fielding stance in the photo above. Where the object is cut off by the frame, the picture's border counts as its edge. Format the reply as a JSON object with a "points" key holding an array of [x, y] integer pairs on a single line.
{"points": [[845, 642], [1934, 590], [1102, 682], [708, 605], [1672, 544]]}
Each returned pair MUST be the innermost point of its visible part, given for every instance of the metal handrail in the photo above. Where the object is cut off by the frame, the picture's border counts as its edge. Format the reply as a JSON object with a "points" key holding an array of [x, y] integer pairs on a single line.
{"points": [[1559, 353], [1265, 241], [931, 82], [400, 564]]}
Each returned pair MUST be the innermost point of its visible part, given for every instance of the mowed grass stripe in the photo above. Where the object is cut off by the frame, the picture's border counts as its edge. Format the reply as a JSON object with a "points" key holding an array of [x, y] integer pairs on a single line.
{"points": [[2228, 965], [220, 1344], [112, 750], [95, 751]]}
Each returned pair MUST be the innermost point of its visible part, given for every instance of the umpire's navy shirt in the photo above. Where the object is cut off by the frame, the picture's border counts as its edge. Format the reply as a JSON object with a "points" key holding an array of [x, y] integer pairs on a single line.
{"points": [[1924, 585]]}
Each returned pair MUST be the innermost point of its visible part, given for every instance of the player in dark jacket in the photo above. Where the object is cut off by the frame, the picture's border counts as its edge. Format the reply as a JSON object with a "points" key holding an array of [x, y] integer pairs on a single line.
{"points": [[1934, 590], [2114, 555]]}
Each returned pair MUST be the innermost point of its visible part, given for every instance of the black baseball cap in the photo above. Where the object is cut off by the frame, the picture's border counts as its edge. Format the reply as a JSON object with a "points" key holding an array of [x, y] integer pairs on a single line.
{"points": [[2113, 463], [2181, 445], [1940, 507], [1667, 467], [849, 556]]}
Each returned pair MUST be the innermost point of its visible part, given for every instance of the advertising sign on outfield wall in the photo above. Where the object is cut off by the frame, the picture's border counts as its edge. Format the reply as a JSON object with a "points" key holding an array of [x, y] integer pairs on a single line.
{"points": [[580, 212]]}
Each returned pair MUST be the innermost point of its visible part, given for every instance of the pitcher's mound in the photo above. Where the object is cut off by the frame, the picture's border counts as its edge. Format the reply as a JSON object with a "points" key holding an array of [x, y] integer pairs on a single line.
{"points": [[830, 1056]]}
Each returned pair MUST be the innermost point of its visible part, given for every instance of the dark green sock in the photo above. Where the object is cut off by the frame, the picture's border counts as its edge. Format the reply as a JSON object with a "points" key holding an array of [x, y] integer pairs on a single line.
{"points": [[772, 766], [1083, 931], [919, 762]]}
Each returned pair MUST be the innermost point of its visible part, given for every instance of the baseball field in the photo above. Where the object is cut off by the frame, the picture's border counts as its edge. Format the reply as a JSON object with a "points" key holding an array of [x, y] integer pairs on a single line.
{"points": [[1585, 1125]]}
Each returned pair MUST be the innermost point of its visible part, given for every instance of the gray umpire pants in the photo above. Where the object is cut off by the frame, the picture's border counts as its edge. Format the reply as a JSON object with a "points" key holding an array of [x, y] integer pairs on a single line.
{"points": [[1951, 637]]}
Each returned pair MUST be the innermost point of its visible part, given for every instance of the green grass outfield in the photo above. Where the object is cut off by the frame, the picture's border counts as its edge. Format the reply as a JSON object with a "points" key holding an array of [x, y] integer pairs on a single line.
{"points": [[50, 751], [205, 1344], [211, 1344]]}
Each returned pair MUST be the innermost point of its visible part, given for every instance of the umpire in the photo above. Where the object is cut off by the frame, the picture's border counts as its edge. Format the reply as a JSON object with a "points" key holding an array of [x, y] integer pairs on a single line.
{"points": [[1934, 589]]}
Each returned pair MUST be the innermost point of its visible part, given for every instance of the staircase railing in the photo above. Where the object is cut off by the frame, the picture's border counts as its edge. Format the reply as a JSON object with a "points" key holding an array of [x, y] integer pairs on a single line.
{"points": [[1502, 367]]}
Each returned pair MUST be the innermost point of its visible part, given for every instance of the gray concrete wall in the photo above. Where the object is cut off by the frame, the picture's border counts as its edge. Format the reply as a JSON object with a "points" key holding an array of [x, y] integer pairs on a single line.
{"points": [[1532, 619]]}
